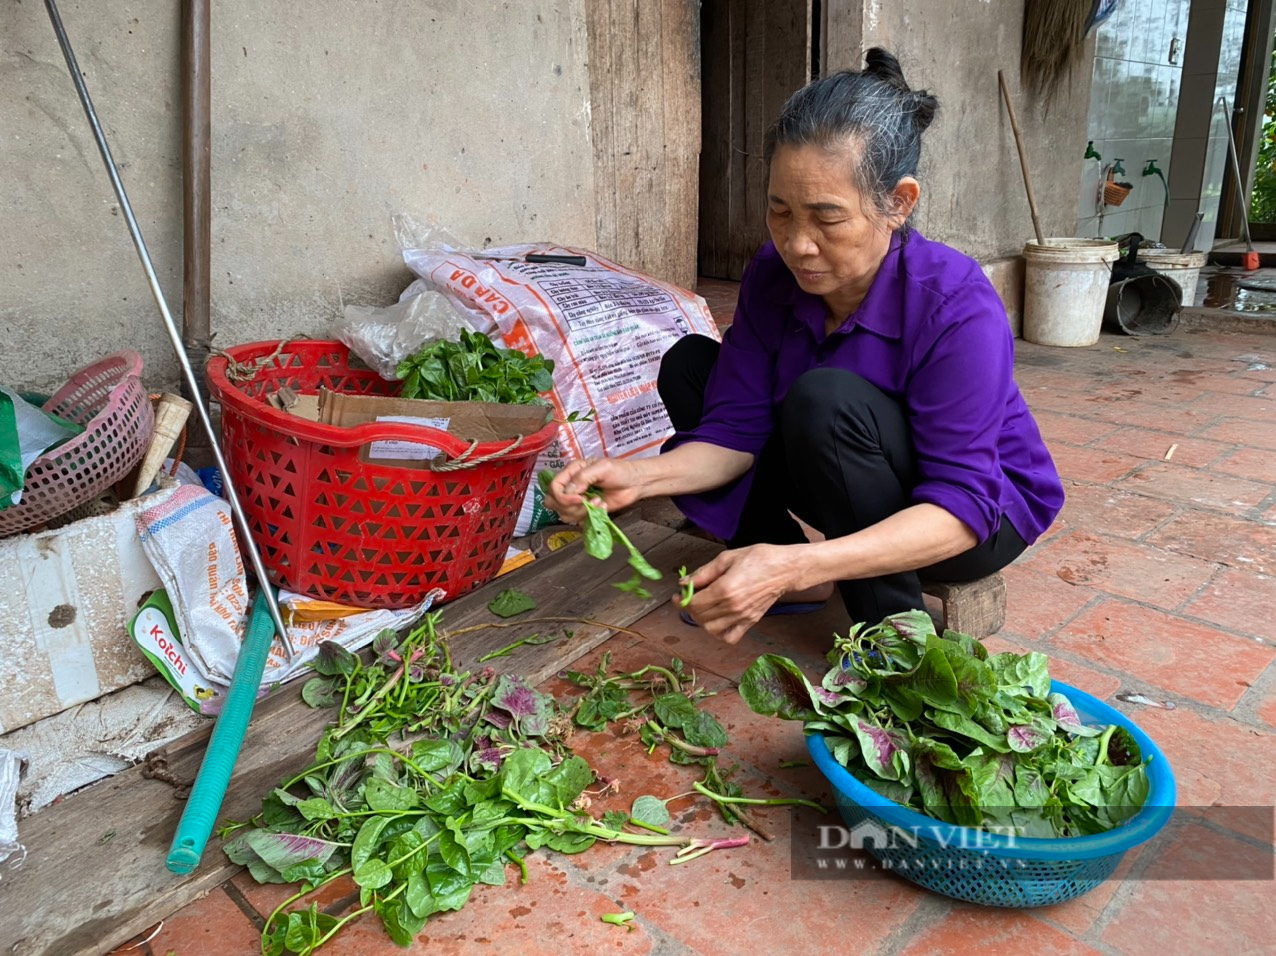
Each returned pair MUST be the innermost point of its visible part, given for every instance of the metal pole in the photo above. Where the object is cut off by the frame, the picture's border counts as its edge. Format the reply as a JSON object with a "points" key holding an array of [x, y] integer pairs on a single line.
{"points": [[196, 178], [245, 533], [1236, 172]]}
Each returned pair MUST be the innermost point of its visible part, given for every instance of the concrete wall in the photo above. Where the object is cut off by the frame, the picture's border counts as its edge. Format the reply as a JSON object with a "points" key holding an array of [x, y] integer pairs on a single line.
{"points": [[972, 189], [328, 118]]}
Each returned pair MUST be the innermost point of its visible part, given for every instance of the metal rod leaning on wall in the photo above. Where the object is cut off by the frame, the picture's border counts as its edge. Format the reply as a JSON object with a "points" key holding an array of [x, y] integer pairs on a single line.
{"points": [[232, 496], [1236, 173], [196, 179]]}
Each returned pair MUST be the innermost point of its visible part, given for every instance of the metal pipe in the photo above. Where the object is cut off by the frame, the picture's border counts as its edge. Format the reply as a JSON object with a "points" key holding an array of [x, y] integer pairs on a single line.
{"points": [[188, 374], [196, 179]]}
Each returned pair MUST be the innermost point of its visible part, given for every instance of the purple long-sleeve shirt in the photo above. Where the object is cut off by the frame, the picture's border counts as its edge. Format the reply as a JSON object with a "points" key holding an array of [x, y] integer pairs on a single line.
{"points": [[932, 334]]}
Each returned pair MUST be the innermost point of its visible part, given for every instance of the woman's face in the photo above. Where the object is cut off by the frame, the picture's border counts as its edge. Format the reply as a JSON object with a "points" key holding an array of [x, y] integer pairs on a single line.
{"points": [[829, 237]]}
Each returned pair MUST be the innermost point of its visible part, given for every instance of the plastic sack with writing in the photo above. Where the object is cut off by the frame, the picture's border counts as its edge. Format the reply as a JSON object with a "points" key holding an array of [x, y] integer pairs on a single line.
{"points": [[604, 326], [195, 641]]}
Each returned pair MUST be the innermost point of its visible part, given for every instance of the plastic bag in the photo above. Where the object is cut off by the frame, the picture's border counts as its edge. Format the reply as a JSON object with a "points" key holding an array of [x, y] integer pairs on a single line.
{"points": [[605, 327], [11, 766], [384, 337], [26, 433], [190, 540]]}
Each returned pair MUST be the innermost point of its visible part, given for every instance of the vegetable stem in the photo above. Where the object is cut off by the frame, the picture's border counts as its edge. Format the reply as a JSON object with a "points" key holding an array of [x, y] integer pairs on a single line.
{"points": [[698, 848], [753, 802], [305, 888], [369, 707], [673, 740], [648, 826], [350, 756], [522, 866]]}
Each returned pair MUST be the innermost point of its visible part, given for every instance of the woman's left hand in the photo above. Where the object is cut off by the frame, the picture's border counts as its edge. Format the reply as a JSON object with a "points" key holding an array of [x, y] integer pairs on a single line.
{"points": [[736, 588]]}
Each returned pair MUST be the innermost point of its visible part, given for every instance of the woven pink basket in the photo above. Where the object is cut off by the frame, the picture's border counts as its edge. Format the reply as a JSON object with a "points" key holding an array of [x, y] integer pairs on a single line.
{"points": [[108, 399]]}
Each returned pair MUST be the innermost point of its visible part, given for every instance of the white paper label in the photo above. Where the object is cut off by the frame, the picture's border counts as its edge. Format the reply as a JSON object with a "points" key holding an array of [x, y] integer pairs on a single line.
{"points": [[408, 450]]}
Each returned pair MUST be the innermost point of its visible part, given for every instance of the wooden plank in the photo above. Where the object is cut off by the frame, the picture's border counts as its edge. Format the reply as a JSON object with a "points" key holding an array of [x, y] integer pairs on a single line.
{"points": [[677, 219], [603, 112], [644, 82], [841, 36], [95, 872], [717, 165]]}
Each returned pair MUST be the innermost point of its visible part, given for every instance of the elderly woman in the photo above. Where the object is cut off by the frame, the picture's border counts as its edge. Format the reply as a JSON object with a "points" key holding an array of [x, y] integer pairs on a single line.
{"points": [[866, 386]]}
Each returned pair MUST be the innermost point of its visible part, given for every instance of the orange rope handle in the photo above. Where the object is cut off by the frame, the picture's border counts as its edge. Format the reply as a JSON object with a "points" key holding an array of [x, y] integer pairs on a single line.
{"points": [[463, 460]]}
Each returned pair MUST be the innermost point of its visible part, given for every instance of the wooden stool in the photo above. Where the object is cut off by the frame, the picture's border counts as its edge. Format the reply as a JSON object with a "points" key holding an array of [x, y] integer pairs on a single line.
{"points": [[977, 608]]}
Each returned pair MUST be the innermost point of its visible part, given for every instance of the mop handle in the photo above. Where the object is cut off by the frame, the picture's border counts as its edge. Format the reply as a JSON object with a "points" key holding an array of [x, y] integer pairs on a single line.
{"points": [[205, 800]]}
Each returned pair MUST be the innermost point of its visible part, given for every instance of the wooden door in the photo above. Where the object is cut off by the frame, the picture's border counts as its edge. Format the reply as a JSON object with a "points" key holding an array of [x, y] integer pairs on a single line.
{"points": [[754, 55]]}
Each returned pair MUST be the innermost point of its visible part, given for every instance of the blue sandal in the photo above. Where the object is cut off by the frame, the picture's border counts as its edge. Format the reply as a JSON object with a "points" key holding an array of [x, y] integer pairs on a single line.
{"points": [[775, 610]]}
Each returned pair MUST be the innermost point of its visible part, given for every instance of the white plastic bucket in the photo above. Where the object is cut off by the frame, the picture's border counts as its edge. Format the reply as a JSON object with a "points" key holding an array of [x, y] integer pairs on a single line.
{"points": [[1183, 267], [1065, 289]]}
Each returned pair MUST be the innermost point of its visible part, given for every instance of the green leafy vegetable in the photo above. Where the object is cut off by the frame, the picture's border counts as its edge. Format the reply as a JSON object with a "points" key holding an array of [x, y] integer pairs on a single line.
{"points": [[425, 785], [474, 369], [937, 724], [667, 714], [650, 810], [601, 533], [510, 603], [688, 588]]}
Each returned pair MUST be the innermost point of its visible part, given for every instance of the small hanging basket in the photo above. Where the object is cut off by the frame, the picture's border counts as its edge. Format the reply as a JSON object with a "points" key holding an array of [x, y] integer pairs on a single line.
{"points": [[1114, 193]]}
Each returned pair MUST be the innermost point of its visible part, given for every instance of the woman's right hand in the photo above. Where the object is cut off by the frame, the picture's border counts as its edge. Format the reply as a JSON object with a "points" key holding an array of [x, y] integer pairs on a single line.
{"points": [[617, 483]]}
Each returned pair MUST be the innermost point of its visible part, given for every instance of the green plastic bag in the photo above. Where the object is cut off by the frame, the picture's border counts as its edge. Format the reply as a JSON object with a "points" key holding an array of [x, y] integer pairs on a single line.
{"points": [[26, 433]]}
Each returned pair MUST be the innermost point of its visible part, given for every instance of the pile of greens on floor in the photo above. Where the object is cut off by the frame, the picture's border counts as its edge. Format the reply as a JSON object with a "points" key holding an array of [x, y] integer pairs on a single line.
{"points": [[430, 781], [936, 724]]}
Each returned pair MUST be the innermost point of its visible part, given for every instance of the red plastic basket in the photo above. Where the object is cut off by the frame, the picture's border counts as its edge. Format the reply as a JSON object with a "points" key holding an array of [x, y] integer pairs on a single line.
{"points": [[334, 527], [108, 399]]}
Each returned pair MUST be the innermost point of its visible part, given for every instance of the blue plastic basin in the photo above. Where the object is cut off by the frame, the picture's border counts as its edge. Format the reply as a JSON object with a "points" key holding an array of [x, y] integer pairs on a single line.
{"points": [[997, 869]]}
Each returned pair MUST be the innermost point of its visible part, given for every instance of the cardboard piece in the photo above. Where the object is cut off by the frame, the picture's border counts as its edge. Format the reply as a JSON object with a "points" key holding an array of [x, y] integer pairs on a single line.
{"points": [[468, 421], [288, 400], [307, 407]]}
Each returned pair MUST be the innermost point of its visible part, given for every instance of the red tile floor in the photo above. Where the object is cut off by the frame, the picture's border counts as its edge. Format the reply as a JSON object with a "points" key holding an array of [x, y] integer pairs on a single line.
{"points": [[1158, 580]]}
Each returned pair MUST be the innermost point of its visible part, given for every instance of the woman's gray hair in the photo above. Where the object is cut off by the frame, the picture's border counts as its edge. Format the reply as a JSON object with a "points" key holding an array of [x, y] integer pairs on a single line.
{"points": [[874, 108]]}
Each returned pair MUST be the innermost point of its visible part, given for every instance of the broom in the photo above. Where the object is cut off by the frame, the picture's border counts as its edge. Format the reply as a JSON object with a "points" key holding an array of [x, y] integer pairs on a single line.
{"points": [[1053, 36]]}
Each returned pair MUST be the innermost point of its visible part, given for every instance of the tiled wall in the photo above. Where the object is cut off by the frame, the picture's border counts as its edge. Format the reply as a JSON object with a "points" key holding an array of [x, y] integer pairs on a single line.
{"points": [[1134, 98], [1200, 157]]}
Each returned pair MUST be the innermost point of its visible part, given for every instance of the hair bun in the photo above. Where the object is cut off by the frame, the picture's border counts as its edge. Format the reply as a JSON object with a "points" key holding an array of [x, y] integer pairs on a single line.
{"points": [[884, 66], [924, 109]]}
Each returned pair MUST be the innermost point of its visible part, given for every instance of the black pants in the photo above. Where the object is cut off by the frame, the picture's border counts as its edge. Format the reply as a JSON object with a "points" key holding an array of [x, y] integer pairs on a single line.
{"points": [[841, 460]]}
